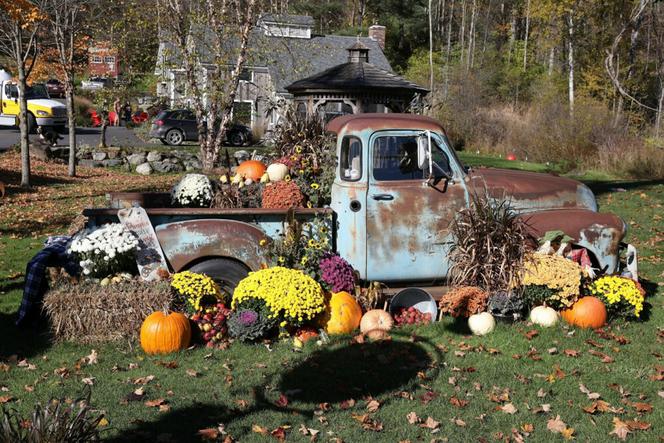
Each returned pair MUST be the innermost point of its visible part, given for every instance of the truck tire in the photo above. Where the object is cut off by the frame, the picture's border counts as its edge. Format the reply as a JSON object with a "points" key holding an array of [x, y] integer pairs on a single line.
{"points": [[227, 273], [32, 124]]}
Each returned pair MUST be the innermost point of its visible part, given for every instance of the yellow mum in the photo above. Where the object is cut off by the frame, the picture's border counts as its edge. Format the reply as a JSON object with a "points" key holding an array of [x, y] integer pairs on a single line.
{"points": [[555, 272], [619, 293]]}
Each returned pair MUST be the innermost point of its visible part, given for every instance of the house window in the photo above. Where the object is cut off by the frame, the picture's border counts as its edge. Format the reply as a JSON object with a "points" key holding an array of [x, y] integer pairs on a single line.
{"points": [[96, 59], [242, 112], [109, 59], [246, 75]]}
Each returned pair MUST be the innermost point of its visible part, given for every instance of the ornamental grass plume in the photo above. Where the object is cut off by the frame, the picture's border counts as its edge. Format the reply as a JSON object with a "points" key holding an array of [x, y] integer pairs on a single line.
{"points": [[290, 295], [622, 296]]}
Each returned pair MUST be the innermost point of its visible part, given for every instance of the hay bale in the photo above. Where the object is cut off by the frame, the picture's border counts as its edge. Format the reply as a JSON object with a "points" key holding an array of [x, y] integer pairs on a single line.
{"points": [[88, 312]]}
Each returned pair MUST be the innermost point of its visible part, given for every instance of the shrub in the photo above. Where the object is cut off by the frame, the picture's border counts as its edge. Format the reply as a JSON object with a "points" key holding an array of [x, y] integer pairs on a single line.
{"points": [[57, 422], [489, 243], [106, 251], [555, 272], [283, 194], [192, 191], [622, 296], [195, 290]]}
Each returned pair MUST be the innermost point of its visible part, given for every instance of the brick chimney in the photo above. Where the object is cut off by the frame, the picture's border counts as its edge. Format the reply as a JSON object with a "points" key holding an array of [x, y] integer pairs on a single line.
{"points": [[377, 33]]}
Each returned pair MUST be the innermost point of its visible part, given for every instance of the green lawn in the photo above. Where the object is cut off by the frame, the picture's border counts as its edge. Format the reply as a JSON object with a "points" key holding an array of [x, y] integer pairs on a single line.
{"points": [[467, 384]]}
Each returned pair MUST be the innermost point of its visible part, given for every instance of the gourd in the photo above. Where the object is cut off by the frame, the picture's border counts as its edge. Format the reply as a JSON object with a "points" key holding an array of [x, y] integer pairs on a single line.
{"points": [[587, 312], [377, 334], [482, 323], [345, 314], [306, 334], [544, 316], [376, 319], [277, 171], [251, 169], [163, 333]]}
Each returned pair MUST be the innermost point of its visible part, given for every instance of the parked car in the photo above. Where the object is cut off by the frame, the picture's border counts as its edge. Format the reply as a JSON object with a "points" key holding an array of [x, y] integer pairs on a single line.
{"points": [[55, 88], [173, 127], [95, 83]]}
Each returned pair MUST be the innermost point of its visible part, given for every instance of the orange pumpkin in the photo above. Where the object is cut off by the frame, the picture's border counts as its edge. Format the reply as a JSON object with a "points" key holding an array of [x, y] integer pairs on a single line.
{"points": [[376, 319], [345, 314], [306, 334], [588, 312], [252, 169], [163, 333]]}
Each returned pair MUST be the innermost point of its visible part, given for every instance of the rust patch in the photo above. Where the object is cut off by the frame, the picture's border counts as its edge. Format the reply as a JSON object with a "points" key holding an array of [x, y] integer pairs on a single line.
{"points": [[376, 122]]}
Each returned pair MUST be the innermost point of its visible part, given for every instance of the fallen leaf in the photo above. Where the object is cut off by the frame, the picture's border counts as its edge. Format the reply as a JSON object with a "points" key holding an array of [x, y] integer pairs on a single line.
{"points": [[542, 408], [508, 408], [567, 433], [430, 423], [143, 380], [531, 334], [642, 407], [88, 380], [282, 401], [103, 422], [428, 396], [591, 395], [92, 358], [259, 430], [636, 425], [459, 422], [155, 403], [347, 404], [592, 342], [208, 433], [556, 425], [192, 373], [620, 429], [373, 405], [604, 357], [168, 364], [412, 418], [6, 399], [280, 432], [541, 393], [459, 403], [571, 353]]}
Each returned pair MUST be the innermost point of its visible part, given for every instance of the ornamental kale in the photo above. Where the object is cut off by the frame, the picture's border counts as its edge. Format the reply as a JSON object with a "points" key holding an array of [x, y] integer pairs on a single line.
{"points": [[251, 321], [337, 274]]}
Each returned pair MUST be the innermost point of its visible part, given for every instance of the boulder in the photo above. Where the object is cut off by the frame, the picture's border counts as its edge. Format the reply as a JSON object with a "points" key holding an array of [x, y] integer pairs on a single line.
{"points": [[114, 152], [193, 165], [241, 156], [111, 162], [136, 159], [144, 169], [89, 163], [99, 156], [167, 166], [154, 156]]}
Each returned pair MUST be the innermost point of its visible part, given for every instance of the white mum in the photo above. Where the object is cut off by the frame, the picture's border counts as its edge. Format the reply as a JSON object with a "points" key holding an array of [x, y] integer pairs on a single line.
{"points": [[106, 250], [194, 190]]}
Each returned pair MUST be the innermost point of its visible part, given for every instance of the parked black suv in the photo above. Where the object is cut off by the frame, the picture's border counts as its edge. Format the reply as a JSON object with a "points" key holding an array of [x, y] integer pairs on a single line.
{"points": [[173, 127]]}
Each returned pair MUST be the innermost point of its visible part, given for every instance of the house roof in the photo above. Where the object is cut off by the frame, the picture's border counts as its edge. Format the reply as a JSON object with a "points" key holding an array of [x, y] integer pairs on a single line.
{"points": [[288, 19], [287, 59], [355, 76]]}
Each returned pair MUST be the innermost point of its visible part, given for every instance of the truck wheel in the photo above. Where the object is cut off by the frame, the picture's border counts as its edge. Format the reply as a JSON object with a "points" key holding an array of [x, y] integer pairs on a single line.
{"points": [[227, 273], [32, 124]]}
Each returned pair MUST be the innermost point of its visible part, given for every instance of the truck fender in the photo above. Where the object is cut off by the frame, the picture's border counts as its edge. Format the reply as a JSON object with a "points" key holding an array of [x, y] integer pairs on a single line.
{"points": [[599, 233], [187, 242]]}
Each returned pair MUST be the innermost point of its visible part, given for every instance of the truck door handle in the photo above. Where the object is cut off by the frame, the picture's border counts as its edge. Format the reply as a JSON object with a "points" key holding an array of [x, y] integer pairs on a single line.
{"points": [[383, 197]]}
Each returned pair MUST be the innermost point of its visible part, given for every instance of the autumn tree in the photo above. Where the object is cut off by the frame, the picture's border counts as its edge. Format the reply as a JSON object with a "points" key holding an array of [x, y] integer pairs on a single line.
{"points": [[20, 22], [210, 39]]}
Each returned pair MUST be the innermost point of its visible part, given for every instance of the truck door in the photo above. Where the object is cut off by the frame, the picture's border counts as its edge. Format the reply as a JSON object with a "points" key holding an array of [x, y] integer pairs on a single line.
{"points": [[10, 104], [407, 218]]}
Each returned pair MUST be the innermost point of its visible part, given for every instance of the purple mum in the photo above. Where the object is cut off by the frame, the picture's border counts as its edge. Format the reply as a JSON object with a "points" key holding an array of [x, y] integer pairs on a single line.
{"points": [[337, 273]]}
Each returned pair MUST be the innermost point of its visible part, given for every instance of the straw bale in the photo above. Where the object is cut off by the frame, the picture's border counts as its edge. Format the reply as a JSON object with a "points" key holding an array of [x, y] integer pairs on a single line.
{"points": [[89, 313]]}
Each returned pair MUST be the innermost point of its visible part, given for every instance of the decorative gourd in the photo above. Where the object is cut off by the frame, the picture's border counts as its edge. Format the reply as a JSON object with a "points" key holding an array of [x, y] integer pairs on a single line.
{"points": [[277, 171], [588, 312], [376, 319], [163, 333], [482, 323], [306, 334], [544, 316], [252, 169], [377, 334], [345, 314]]}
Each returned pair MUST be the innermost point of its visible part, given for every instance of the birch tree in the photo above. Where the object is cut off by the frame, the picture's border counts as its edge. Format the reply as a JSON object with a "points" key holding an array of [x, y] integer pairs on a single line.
{"points": [[210, 44], [20, 22]]}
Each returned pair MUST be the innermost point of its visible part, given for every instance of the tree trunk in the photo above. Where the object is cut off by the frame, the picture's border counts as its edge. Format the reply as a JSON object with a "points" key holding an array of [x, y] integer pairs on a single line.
{"points": [[23, 126], [462, 31], [471, 37], [430, 48], [552, 57], [570, 61], [660, 109], [512, 38], [525, 40], [449, 49], [71, 121], [102, 137]]}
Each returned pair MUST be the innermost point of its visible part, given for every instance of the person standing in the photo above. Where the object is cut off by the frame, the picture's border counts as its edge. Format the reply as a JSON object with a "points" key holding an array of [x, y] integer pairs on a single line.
{"points": [[117, 108], [127, 113]]}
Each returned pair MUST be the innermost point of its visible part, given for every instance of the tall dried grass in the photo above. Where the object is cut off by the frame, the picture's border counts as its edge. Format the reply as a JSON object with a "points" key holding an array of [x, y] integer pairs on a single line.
{"points": [[88, 313]]}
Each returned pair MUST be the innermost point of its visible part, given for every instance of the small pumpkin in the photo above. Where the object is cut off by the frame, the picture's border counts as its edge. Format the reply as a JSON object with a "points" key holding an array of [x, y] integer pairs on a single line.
{"points": [[544, 316], [163, 333], [482, 323], [345, 314], [306, 334], [376, 319], [277, 172], [252, 169], [587, 312]]}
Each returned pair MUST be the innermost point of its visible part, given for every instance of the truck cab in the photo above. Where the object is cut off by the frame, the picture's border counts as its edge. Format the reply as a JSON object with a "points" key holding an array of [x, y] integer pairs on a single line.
{"points": [[42, 110], [399, 184]]}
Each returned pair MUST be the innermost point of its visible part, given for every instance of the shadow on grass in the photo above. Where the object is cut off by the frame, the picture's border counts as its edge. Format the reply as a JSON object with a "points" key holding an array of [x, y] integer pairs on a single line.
{"points": [[24, 342], [326, 376], [604, 187], [12, 180]]}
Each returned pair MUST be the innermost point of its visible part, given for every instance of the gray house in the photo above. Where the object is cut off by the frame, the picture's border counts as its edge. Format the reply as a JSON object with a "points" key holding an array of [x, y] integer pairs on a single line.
{"points": [[288, 62]]}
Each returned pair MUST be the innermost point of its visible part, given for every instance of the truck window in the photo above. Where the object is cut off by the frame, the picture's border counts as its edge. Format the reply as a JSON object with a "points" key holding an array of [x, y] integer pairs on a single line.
{"points": [[395, 158], [350, 160]]}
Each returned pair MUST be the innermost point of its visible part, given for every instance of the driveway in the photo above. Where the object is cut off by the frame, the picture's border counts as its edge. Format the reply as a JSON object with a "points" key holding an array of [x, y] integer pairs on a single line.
{"points": [[115, 136]]}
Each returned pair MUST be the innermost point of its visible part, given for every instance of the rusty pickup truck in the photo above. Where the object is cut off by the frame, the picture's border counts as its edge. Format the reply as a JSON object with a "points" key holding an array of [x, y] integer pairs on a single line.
{"points": [[398, 185]]}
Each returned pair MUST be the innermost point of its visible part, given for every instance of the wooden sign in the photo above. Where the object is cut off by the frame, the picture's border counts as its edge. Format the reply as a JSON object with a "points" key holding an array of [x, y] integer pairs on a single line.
{"points": [[150, 258]]}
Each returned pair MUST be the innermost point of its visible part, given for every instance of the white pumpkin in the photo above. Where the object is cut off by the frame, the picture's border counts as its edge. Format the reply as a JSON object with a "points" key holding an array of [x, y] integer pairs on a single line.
{"points": [[544, 316], [277, 171], [482, 323]]}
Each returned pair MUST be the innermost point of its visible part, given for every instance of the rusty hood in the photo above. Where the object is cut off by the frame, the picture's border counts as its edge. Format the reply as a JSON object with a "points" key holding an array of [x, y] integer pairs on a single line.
{"points": [[531, 191]]}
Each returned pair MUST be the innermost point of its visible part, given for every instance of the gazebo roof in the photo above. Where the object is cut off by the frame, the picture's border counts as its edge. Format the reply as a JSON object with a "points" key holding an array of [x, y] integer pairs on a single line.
{"points": [[358, 77]]}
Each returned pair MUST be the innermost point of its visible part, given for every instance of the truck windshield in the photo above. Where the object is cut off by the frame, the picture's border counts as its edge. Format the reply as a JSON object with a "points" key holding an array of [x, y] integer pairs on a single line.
{"points": [[395, 158], [31, 93]]}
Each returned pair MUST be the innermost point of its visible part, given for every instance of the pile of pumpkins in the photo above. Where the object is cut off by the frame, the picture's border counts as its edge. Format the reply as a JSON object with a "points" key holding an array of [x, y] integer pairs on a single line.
{"points": [[255, 171], [587, 312]]}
